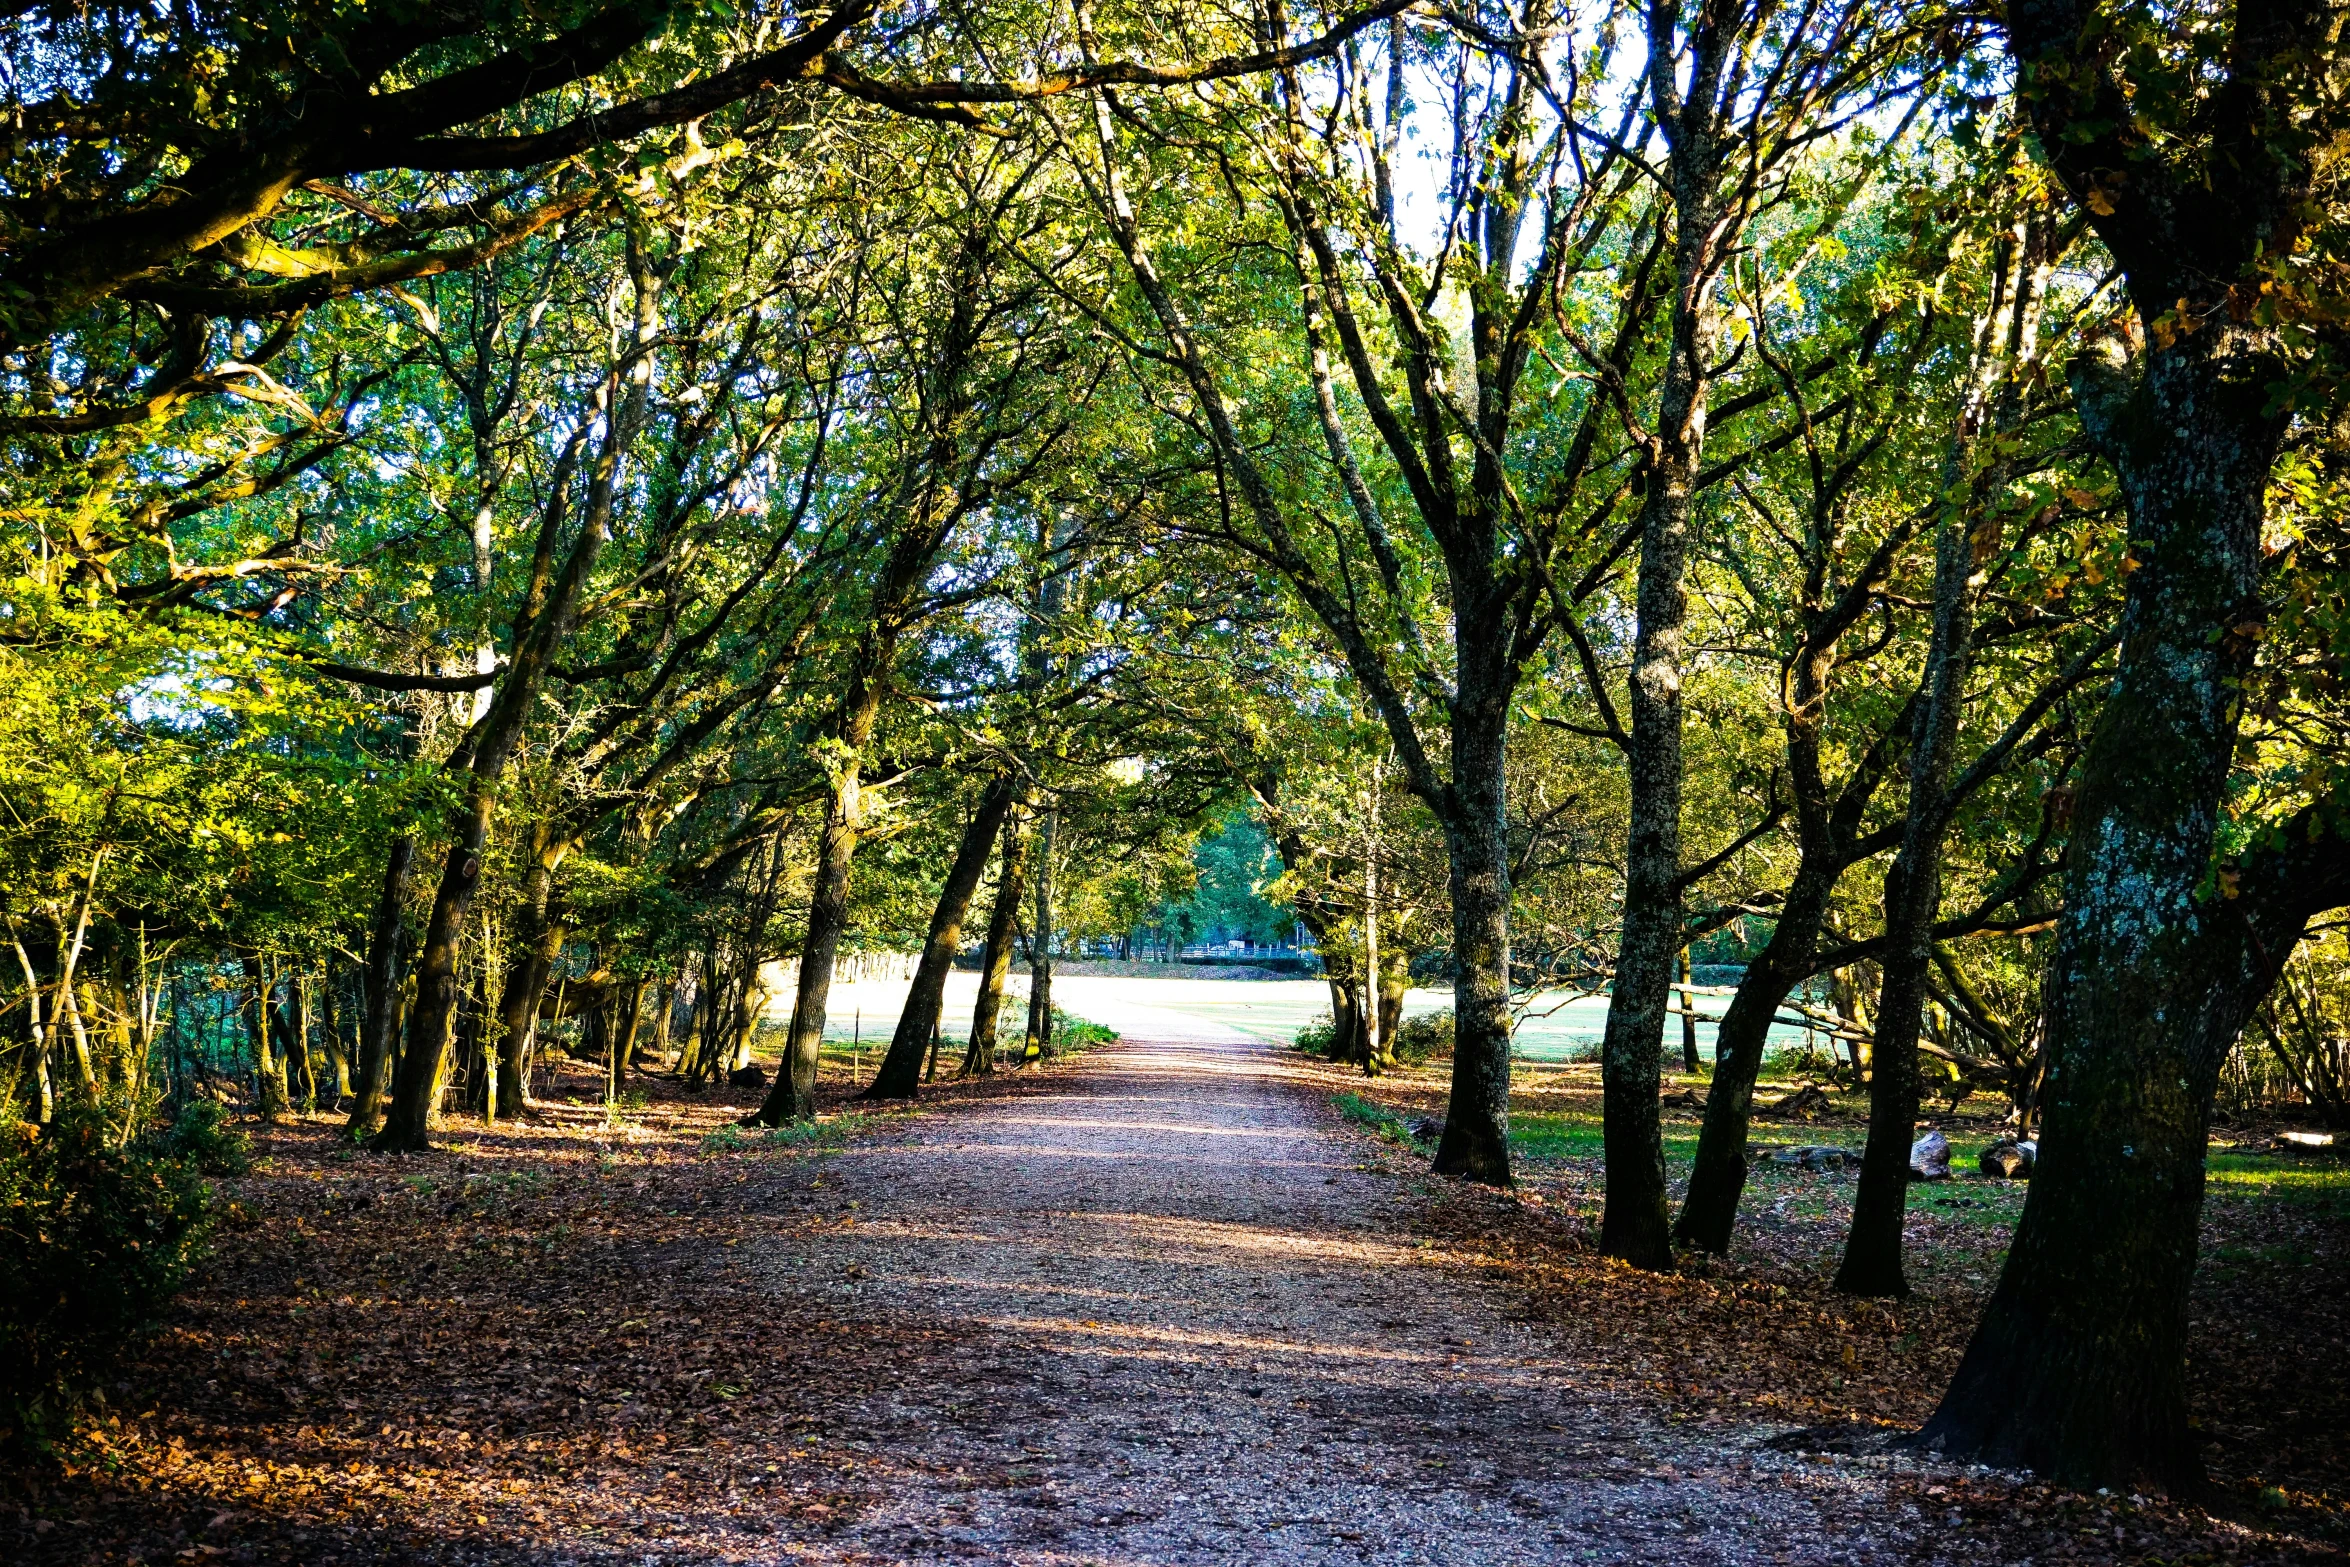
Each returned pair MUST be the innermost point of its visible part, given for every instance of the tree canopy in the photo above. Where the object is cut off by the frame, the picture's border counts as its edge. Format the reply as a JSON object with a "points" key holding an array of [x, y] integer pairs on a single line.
{"points": [[519, 522]]}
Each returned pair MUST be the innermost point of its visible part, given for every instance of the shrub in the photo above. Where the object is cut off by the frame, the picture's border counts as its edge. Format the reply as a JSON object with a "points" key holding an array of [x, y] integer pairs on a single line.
{"points": [[1802, 1061], [94, 1241], [1316, 1036], [1426, 1038], [1075, 1033], [203, 1136]]}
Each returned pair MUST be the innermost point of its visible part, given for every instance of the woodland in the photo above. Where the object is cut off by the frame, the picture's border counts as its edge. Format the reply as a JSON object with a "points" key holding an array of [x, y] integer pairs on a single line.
{"points": [[537, 541]]}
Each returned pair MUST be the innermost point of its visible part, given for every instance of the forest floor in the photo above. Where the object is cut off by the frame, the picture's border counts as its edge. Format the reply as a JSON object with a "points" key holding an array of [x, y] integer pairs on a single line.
{"points": [[1190, 1298]]}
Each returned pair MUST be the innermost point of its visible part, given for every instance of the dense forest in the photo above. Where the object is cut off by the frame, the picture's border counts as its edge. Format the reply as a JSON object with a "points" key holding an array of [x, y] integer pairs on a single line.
{"points": [[540, 539]]}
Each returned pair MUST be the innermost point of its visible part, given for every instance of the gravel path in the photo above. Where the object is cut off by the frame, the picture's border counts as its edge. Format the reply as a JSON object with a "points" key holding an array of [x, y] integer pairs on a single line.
{"points": [[1193, 1327]]}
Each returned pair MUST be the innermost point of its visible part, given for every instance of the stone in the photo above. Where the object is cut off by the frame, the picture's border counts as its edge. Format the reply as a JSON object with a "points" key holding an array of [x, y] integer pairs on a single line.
{"points": [[1929, 1158], [1819, 1159], [2009, 1160]]}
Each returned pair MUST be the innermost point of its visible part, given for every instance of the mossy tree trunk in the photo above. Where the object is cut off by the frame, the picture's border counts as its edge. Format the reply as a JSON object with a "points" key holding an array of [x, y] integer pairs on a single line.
{"points": [[2077, 1368]]}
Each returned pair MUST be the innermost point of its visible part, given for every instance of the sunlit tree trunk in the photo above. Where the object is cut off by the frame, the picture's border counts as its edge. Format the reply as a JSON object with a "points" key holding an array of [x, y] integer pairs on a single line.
{"points": [[1039, 1041], [269, 1071], [918, 1021], [995, 960]]}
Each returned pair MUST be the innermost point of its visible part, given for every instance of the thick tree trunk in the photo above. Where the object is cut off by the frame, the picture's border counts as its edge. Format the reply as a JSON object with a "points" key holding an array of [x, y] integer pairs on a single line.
{"points": [[918, 1022], [1717, 1178], [1476, 1140], [1634, 1224], [2077, 1369], [379, 1028], [1346, 1013], [995, 960], [1395, 976]]}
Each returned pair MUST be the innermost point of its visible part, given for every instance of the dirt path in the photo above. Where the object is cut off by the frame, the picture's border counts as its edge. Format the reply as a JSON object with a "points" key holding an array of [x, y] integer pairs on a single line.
{"points": [[1195, 1329]]}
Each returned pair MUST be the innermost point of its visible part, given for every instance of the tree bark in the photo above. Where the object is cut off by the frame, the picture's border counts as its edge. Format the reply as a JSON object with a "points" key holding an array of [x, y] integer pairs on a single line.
{"points": [[1039, 1041], [377, 1030], [1476, 1138], [1717, 1177], [2078, 1369], [1634, 1223], [1880, 1203], [331, 1031], [552, 612], [292, 1020], [793, 1096], [269, 1069], [539, 942], [996, 959], [918, 1022]]}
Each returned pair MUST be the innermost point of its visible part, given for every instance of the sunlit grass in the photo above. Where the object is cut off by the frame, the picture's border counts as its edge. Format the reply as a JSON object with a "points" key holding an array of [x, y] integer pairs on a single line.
{"points": [[2317, 1181], [1546, 1137]]}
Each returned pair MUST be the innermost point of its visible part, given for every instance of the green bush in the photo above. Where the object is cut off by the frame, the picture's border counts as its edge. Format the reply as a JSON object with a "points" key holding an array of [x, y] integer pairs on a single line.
{"points": [[94, 1241], [1076, 1033], [203, 1136], [1802, 1061], [1317, 1035], [1426, 1038]]}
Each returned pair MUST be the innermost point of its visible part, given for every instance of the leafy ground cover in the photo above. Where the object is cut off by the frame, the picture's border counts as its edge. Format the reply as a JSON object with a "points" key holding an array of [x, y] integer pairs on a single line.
{"points": [[1760, 1335], [538, 1334]]}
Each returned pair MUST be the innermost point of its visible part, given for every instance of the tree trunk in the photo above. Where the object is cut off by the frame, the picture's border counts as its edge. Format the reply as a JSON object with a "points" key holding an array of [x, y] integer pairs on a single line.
{"points": [[292, 1018], [1717, 1177], [1346, 1021], [554, 612], [1880, 1204], [624, 1043], [918, 1022], [2077, 1368], [1634, 1224], [377, 1029], [793, 1096], [1395, 977], [269, 1069], [996, 959], [539, 942], [1689, 1058], [331, 1031], [1039, 1041], [1476, 1139]]}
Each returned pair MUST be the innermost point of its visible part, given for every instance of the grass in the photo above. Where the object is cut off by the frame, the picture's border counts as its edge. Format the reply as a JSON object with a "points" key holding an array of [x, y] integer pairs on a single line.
{"points": [[824, 1133], [1371, 1116], [2323, 1183], [1549, 1137]]}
